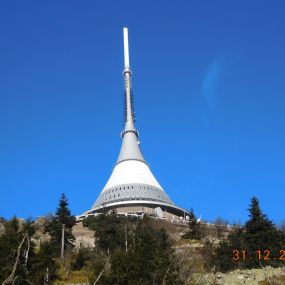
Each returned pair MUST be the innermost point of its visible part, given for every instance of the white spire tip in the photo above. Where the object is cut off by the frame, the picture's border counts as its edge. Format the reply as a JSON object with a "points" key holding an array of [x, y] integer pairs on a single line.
{"points": [[126, 48]]}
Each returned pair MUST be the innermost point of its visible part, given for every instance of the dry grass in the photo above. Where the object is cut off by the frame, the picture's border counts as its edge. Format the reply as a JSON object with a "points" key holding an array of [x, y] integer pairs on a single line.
{"points": [[188, 241], [73, 277], [273, 281]]}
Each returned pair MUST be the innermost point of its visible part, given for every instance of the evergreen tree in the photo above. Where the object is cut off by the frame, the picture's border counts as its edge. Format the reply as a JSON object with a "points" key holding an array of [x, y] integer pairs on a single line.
{"points": [[62, 218], [148, 260], [109, 231], [81, 258], [152, 256], [9, 242], [260, 234], [224, 253], [63, 214], [257, 243], [18, 249], [195, 229], [41, 261]]}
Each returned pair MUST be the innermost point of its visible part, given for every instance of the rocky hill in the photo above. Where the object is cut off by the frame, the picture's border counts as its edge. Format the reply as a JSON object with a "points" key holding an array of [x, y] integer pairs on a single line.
{"points": [[191, 252]]}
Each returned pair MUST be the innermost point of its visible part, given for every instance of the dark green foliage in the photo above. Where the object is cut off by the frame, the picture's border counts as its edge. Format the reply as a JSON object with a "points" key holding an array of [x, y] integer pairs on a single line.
{"points": [[261, 234], [9, 242], [63, 213], [31, 267], [97, 262], [152, 257], [42, 260], [120, 269], [149, 259], [109, 230], [258, 233], [224, 257], [54, 227], [90, 222], [195, 229], [81, 258]]}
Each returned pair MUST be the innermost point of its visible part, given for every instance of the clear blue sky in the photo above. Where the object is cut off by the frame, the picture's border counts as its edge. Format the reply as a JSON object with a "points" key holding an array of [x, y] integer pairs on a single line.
{"points": [[209, 87]]}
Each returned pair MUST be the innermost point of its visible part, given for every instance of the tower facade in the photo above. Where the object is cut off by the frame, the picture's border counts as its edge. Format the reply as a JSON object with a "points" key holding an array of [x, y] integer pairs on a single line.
{"points": [[132, 189]]}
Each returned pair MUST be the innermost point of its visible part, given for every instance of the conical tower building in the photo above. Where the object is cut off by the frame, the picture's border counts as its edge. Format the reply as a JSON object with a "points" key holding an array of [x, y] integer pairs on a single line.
{"points": [[132, 189]]}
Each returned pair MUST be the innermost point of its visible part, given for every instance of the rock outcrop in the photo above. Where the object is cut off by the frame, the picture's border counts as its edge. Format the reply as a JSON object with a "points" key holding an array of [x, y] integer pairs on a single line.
{"points": [[83, 236], [242, 277]]}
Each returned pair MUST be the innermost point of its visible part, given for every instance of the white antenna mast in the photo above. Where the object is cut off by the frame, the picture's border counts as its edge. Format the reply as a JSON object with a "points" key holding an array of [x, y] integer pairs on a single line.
{"points": [[129, 108], [126, 48]]}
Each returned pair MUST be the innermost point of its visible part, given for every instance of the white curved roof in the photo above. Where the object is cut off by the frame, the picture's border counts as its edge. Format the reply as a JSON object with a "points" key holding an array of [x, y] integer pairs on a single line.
{"points": [[131, 172]]}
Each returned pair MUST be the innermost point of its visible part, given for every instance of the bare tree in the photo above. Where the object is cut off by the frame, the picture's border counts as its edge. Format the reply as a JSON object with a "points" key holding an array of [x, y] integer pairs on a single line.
{"points": [[220, 227], [12, 278], [103, 270]]}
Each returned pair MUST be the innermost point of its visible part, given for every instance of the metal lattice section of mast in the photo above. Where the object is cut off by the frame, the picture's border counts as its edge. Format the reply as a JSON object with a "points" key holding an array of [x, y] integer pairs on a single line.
{"points": [[128, 98]]}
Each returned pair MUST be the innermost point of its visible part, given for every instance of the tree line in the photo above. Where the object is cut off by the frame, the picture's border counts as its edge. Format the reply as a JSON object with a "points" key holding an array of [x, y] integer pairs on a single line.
{"points": [[131, 250], [128, 251], [256, 244]]}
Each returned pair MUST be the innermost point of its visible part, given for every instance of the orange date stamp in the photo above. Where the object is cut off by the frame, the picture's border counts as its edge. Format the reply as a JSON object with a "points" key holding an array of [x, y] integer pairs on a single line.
{"points": [[239, 255]]}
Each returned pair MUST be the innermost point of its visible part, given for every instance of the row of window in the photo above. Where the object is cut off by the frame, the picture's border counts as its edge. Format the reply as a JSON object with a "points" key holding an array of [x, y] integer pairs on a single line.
{"points": [[130, 199], [118, 196], [127, 187]]}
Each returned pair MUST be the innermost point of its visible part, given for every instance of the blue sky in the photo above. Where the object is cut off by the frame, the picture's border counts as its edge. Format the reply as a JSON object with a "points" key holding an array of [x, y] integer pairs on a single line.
{"points": [[208, 80]]}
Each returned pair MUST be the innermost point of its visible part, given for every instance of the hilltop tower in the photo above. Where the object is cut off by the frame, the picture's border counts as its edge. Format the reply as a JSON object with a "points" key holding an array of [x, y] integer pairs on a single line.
{"points": [[132, 189]]}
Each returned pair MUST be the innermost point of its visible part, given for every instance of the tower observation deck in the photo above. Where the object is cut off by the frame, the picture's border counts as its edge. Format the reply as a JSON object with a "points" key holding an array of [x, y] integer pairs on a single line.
{"points": [[132, 189]]}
